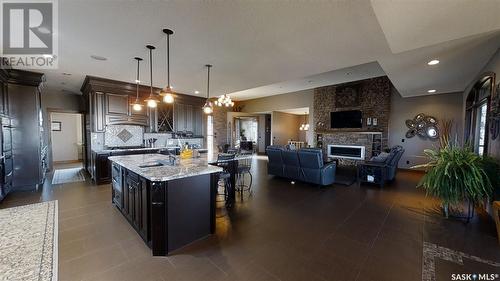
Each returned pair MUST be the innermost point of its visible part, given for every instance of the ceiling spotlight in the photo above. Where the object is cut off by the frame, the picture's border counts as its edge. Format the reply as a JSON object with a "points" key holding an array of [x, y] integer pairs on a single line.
{"points": [[66, 74], [98, 58], [431, 91], [196, 92], [433, 62]]}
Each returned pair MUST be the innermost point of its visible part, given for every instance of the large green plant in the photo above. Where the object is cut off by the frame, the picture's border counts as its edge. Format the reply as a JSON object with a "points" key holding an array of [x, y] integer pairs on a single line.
{"points": [[491, 167], [455, 174]]}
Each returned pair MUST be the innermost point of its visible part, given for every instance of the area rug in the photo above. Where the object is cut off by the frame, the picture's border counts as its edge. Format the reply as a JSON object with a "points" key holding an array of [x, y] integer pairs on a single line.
{"points": [[68, 175], [28, 242]]}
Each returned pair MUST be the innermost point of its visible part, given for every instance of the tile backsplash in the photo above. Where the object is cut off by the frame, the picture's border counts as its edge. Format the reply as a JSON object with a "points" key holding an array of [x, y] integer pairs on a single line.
{"points": [[123, 135]]}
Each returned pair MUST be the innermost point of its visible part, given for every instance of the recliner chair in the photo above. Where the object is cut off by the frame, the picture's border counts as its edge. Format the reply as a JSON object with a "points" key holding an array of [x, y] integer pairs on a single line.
{"points": [[275, 165], [313, 168], [381, 172]]}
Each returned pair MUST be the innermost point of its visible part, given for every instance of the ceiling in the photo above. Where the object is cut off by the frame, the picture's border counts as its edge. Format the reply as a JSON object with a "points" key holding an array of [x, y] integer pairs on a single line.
{"points": [[262, 48]]}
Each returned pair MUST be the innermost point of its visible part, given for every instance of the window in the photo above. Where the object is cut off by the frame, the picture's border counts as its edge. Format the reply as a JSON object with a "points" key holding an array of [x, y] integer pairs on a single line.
{"points": [[210, 134], [476, 115], [481, 139]]}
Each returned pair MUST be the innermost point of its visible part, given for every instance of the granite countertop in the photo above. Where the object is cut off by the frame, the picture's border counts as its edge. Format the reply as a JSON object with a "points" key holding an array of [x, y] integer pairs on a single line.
{"points": [[130, 149], [184, 167]]}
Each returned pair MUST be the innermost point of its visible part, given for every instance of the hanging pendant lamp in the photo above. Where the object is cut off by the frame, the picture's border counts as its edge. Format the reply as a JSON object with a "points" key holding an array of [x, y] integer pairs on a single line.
{"points": [[151, 101], [207, 108], [167, 93], [137, 105]]}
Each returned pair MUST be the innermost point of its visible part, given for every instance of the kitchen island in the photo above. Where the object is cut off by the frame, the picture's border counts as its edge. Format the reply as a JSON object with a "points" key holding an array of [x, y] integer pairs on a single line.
{"points": [[169, 204]]}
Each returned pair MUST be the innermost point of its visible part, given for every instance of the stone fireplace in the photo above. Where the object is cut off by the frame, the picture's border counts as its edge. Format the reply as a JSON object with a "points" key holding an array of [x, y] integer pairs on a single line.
{"points": [[372, 97]]}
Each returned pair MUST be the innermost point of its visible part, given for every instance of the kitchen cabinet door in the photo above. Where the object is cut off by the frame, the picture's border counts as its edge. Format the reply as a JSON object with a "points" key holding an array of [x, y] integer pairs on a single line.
{"points": [[117, 104], [102, 168], [180, 117], [197, 121], [98, 112], [143, 208], [189, 117]]}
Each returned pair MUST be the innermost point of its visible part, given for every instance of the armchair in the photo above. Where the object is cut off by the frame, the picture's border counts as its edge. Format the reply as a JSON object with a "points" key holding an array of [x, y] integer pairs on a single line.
{"points": [[380, 171], [313, 168]]}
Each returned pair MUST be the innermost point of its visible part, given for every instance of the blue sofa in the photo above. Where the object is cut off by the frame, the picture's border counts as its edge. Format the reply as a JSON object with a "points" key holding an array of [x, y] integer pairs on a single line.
{"points": [[301, 165]]}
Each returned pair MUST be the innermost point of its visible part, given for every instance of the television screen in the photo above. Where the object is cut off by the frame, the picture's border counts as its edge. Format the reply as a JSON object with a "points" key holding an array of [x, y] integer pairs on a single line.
{"points": [[346, 119]]}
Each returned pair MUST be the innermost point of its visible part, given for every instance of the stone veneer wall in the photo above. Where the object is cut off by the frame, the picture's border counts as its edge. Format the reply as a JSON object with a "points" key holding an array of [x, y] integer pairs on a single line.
{"points": [[221, 130], [374, 102]]}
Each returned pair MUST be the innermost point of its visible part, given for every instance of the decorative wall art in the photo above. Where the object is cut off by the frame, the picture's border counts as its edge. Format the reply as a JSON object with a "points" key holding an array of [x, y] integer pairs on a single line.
{"points": [[422, 125]]}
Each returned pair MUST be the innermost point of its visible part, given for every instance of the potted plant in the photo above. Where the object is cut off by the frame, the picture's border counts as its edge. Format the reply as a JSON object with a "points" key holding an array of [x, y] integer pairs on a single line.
{"points": [[491, 167], [455, 174]]}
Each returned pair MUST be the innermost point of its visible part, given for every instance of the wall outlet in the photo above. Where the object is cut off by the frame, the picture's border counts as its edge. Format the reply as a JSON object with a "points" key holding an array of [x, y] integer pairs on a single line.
{"points": [[407, 162], [402, 140]]}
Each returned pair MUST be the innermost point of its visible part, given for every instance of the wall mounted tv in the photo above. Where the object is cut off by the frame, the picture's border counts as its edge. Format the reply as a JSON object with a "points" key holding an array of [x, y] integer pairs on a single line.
{"points": [[346, 119]]}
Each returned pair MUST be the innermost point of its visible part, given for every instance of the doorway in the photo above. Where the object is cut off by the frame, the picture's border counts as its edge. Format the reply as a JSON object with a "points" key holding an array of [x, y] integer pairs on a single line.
{"points": [[66, 140]]}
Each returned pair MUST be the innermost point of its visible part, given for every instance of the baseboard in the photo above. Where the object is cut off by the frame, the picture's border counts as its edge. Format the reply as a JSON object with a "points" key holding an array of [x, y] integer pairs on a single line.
{"points": [[67, 162]]}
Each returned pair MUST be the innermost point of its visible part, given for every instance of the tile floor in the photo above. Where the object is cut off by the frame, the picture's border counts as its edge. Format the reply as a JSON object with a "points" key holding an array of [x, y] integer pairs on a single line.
{"points": [[281, 232]]}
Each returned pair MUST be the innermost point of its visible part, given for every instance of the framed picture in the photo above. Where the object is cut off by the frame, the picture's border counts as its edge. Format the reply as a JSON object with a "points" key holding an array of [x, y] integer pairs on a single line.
{"points": [[369, 121], [375, 121], [56, 126]]}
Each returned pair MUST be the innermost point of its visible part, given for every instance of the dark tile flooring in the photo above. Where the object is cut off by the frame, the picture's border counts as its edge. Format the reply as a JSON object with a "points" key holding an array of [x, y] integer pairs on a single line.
{"points": [[283, 231]]}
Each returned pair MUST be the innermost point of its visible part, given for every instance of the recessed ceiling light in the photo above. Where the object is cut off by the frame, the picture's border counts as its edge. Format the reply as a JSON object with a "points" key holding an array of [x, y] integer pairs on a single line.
{"points": [[433, 62], [98, 58], [309, 81], [431, 91], [196, 92], [66, 74]]}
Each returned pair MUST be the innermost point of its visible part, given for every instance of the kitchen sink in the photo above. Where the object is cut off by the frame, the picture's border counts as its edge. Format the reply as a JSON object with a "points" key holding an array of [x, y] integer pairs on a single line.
{"points": [[150, 165]]}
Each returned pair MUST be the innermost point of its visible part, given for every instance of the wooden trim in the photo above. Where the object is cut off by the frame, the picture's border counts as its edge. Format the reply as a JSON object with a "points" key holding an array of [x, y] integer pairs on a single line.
{"points": [[98, 84], [67, 162]]}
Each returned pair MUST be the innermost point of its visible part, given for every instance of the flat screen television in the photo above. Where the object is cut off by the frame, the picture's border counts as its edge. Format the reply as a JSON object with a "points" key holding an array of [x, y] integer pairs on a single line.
{"points": [[346, 119]]}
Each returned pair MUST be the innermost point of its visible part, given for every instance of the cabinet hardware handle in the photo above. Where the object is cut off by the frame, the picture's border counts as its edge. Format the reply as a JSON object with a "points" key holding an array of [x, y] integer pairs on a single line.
{"points": [[156, 203]]}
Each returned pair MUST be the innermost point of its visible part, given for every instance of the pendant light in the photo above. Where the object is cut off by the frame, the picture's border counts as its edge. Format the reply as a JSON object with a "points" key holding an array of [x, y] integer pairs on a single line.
{"points": [[304, 126], [167, 92], [207, 108], [137, 105], [151, 101]]}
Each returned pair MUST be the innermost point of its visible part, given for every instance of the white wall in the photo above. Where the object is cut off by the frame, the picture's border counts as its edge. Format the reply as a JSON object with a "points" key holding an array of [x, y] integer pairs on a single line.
{"points": [[65, 142]]}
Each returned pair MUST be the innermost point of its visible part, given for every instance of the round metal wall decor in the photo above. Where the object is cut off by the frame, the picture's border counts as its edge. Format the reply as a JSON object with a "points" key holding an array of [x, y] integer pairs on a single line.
{"points": [[424, 126]]}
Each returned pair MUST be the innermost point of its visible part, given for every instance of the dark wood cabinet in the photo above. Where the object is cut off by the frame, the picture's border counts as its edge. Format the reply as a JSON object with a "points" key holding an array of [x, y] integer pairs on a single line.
{"points": [[97, 111], [135, 206], [117, 104], [188, 117], [4, 99], [102, 173]]}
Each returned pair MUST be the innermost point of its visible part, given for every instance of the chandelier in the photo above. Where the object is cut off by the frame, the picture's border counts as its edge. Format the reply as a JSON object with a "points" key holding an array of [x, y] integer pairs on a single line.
{"points": [[224, 100], [304, 126]]}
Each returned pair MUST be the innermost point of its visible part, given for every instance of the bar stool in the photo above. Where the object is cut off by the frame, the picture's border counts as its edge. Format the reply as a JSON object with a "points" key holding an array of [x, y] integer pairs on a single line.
{"points": [[244, 167], [224, 176]]}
